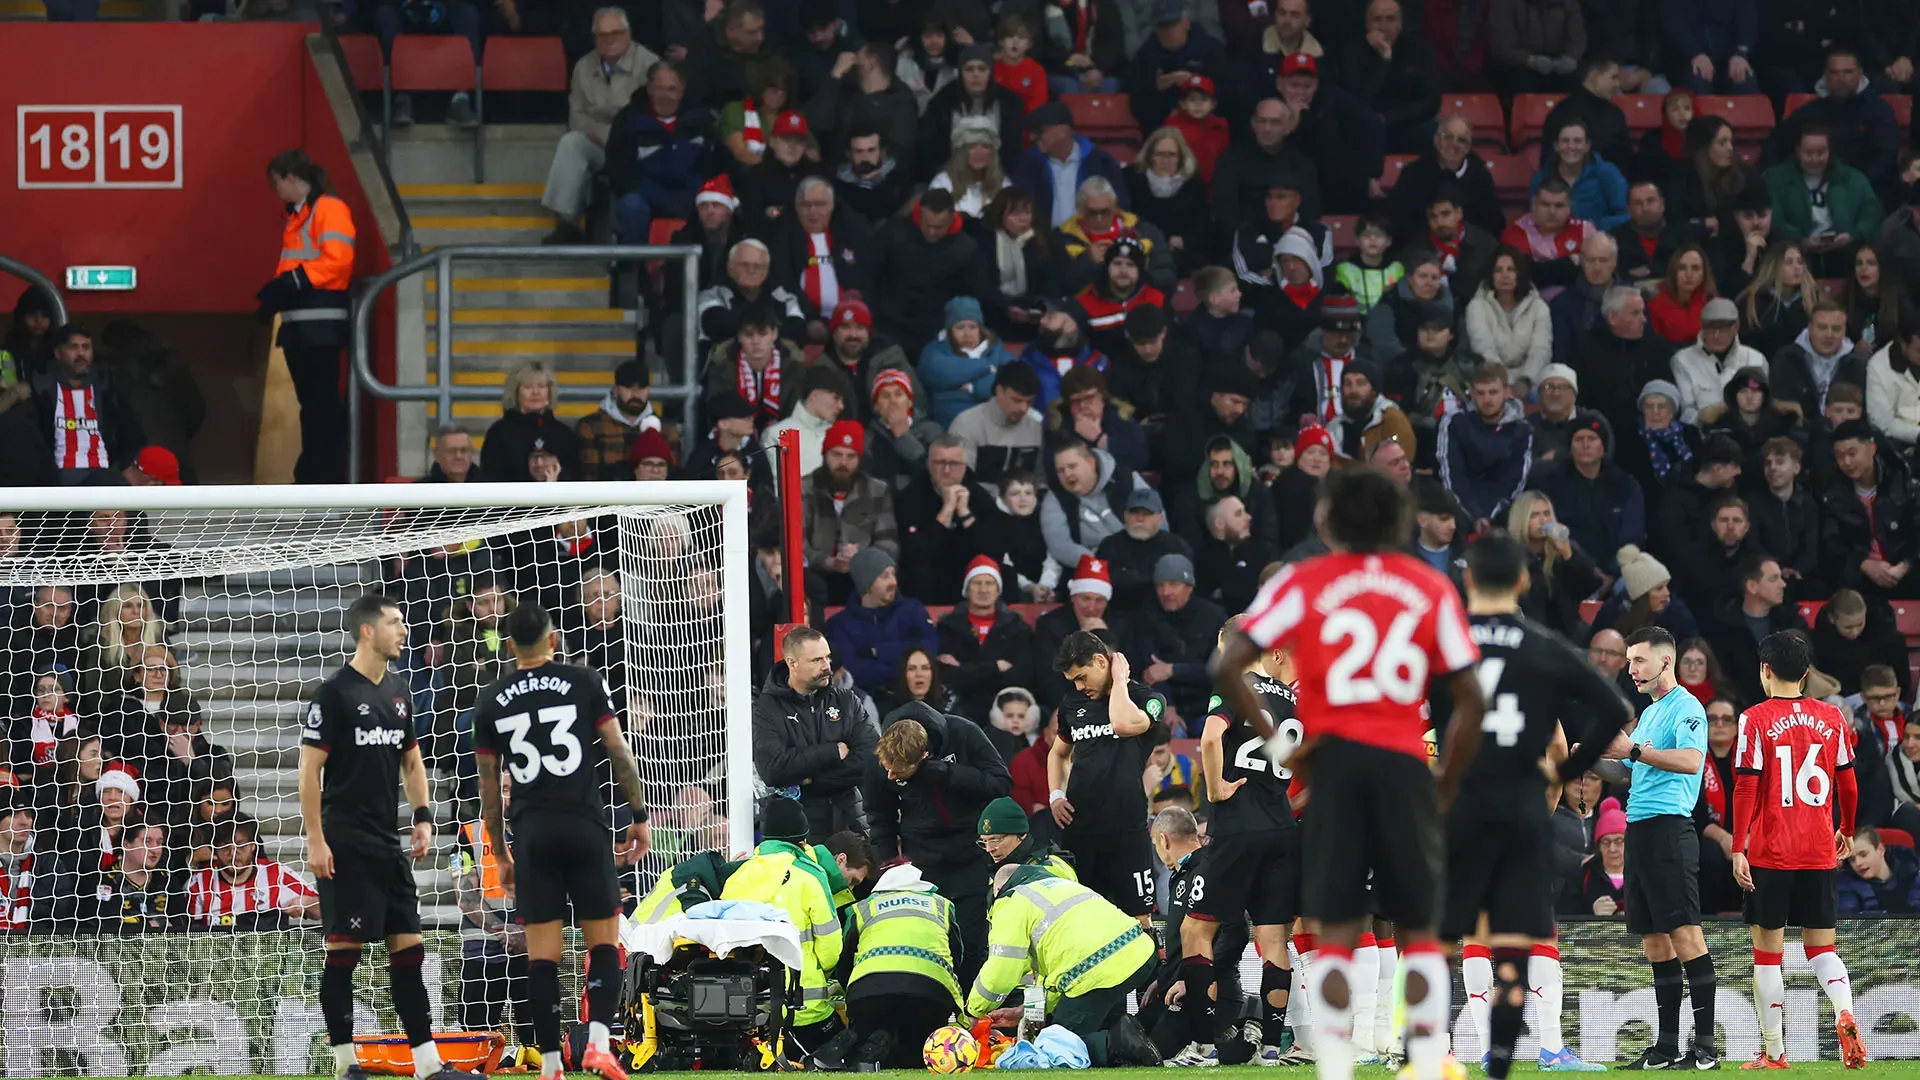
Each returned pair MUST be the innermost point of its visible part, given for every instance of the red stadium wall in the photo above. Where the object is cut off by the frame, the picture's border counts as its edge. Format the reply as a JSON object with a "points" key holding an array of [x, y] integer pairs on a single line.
{"points": [[203, 229]]}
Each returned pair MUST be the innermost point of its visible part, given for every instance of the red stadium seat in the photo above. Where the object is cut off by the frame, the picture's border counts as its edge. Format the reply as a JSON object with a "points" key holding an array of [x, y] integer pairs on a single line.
{"points": [[1102, 116], [1529, 116], [660, 234], [1031, 612], [1896, 838], [1185, 300], [1643, 111], [432, 62], [1750, 114], [1902, 109], [1483, 112], [1123, 150], [1793, 103], [1907, 616], [525, 63], [1344, 231], [1390, 175], [1512, 174], [1589, 609], [1811, 610], [363, 59]]}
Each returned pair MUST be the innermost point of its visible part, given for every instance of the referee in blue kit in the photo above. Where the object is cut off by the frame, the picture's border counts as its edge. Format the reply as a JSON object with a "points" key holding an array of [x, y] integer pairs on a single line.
{"points": [[1663, 757]]}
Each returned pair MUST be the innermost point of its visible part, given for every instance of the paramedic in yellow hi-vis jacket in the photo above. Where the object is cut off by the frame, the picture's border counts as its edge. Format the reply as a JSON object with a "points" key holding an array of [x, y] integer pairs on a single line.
{"points": [[1089, 954], [903, 947], [786, 873], [309, 293]]}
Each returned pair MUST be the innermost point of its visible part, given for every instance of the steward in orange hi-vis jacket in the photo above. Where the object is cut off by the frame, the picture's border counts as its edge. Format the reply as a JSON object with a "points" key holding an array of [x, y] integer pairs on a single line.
{"points": [[309, 293]]}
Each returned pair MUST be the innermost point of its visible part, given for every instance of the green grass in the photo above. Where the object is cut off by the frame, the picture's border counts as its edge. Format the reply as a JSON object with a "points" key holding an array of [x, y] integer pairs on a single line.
{"points": [[1875, 1070]]}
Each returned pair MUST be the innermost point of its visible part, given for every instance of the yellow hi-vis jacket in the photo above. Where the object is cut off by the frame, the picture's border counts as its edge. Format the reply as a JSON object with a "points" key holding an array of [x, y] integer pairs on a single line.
{"points": [[1073, 937], [905, 927], [693, 880], [787, 877]]}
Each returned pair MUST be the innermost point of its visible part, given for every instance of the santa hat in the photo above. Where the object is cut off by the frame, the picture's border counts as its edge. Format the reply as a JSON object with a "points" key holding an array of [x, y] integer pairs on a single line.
{"points": [[1090, 576], [718, 190], [893, 377], [981, 564], [117, 776], [852, 309], [847, 433]]}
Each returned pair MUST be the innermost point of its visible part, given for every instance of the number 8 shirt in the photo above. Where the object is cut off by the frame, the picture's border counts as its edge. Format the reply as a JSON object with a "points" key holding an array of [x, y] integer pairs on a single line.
{"points": [[1799, 751], [1367, 632]]}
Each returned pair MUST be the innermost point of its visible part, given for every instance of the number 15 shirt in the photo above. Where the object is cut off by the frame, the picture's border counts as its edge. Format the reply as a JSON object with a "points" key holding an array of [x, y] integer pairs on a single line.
{"points": [[1368, 633]]}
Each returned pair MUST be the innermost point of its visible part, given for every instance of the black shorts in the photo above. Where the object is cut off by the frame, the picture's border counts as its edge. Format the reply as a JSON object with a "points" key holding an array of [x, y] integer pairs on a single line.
{"points": [[557, 857], [1807, 899], [370, 896], [1497, 867], [1118, 866], [1373, 809], [1254, 873], [1663, 875]]}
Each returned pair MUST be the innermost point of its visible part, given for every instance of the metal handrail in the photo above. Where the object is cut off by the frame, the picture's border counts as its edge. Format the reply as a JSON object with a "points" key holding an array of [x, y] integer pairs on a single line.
{"points": [[34, 277], [445, 393], [383, 145]]}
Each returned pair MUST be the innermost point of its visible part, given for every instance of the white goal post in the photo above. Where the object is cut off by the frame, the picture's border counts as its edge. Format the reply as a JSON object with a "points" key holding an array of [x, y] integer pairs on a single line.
{"points": [[229, 599]]}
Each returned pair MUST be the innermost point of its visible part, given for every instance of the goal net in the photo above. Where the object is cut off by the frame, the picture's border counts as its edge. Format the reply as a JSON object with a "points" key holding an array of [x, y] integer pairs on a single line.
{"points": [[160, 648]]}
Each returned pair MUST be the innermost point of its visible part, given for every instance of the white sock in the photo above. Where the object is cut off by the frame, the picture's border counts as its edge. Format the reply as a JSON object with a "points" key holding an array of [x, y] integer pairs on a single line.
{"points": [[1832, 973], [1547, 982], [1385, 1023], [598, 1035], [1366, 993], [426, 1060], [1770, 1002], [343, 1056], [550, 1066], [1427, 1018], [1476, 971], [1299, 1008], [1332, 1028]]}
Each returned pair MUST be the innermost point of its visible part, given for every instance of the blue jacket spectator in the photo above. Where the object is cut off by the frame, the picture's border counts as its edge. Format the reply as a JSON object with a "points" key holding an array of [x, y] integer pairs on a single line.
{"points": [[1485, 451], [878, 625], [1058, 162], [656, 167], [1599, 190], [959, 366], [1879, 880], [1059, 346]]}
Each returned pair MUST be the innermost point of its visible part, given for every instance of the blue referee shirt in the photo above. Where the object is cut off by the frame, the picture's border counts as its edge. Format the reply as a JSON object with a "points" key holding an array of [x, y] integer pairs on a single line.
{"points": [[1676, 722]]}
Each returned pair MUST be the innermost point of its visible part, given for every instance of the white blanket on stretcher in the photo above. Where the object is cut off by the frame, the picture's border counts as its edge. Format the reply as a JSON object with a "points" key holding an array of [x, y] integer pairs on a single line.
{"points": [[721, 935]]}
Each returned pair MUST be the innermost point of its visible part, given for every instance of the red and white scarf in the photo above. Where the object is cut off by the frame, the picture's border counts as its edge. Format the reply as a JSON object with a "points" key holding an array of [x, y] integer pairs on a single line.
{"points": [[1448, 250], [47, 729], [821, 282], [750, 128], [76, 429], [1331, 369], [762, 388], [1718, 808]]}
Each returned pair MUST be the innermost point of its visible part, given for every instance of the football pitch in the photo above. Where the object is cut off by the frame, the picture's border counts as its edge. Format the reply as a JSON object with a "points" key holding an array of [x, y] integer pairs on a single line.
{"points": [[1875, 1070]]}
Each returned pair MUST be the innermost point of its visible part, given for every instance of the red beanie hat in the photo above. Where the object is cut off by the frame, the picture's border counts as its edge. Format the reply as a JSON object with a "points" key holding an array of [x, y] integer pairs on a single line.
{"points": [[846, 433]]}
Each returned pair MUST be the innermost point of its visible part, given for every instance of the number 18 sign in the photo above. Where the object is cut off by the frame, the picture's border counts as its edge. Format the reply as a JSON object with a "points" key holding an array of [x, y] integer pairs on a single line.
{"points": [[99, 146]]}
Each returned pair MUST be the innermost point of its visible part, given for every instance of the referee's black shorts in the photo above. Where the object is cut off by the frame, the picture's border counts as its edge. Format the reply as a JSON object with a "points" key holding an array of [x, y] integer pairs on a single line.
{"points": [[557, 857], [1117, 865], [1807, 899], [1663, 874], [1372, 809], [370, 896]]}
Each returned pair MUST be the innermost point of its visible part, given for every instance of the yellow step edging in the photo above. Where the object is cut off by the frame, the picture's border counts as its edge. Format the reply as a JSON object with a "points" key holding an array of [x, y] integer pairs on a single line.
{"points": [[502, 222], [566, 410], [499, 378], [539, 348]]}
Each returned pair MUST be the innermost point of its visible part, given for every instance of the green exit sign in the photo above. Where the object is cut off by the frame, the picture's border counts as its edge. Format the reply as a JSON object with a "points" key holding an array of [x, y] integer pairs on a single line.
{"points": [[100, 278]]}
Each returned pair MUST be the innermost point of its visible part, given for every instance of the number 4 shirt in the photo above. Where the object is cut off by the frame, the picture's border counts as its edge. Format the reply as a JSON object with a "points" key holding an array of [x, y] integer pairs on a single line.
{"points": [[1794, 760], [1368, 633]]}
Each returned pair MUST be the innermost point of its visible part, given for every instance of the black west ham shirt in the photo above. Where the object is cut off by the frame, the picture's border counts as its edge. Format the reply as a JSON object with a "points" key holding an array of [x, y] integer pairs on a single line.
{"points": [[541, 723], [1260, 805], [1106, 785], [1531, 680], [365, 729]]}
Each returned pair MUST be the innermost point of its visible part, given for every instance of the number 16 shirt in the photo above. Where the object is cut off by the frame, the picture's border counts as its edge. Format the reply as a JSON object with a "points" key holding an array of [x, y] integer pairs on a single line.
{"points": [[1368, 632], [541, 723], [1798, 748]]}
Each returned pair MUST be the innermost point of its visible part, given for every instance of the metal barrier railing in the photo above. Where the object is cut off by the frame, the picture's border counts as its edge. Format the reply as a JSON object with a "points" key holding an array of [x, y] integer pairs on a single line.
{"points": [[445, 393], [31, 276], [381, 145]]}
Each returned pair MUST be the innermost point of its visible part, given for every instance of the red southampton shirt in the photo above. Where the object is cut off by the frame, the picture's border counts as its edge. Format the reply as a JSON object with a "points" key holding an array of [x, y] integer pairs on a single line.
{"points": [[1367, 632], [1796, 746], [212, 900]]}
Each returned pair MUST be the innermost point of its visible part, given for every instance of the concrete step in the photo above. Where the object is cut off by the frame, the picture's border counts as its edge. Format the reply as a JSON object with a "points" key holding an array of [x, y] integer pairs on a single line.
{"points": [[444, 230], [443, 154], [519, 267], [302, 609], [483, 322], [521, 292], [257, 681], [429, 200], [341, 575], [230, 646]]}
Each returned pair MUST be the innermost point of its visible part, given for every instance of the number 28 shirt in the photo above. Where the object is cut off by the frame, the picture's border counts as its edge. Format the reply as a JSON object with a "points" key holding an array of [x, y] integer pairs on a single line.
{"points": [[1798, 749], [1368, 632], [542, 724]]}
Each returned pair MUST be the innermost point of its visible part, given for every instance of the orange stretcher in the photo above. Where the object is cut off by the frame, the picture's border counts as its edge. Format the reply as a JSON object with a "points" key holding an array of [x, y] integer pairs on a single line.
{"points": [[468, 1051]]}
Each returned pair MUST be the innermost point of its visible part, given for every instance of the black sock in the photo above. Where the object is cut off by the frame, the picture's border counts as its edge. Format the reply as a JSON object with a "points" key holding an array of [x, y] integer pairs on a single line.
{"points": [[603, 984], [409, 991], [336, 994], [543, 999], [1197, 973], [1701, 986], [1509, 1007], [1666, 997], [1273, 1018]]}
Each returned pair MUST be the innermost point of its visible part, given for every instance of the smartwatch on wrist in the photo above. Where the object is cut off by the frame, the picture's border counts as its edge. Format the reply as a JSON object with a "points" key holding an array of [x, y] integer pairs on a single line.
{"points": [[1634, 755]]}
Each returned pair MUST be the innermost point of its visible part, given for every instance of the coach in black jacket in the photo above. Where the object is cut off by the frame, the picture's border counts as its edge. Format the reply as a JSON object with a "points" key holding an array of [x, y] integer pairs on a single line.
{"points": [[929, 811], [812, 740]]}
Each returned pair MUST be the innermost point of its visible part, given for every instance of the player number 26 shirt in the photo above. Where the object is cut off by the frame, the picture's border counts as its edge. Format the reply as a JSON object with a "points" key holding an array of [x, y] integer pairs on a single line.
{"points": [[1797, 746], [1368, 632]]}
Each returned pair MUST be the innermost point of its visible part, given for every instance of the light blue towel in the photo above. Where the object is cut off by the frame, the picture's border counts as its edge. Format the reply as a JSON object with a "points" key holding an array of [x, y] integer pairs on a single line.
{"points": [[1062, 1048], [1020, 1055], [745, 910]]}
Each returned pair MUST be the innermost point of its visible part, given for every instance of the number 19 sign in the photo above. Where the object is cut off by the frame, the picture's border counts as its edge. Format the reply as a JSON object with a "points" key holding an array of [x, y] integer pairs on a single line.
{"points": [[99, 146]]}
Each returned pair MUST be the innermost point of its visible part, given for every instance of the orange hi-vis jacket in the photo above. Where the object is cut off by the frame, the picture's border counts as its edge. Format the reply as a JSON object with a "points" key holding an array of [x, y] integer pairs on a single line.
{"points": [[318, 242]]}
